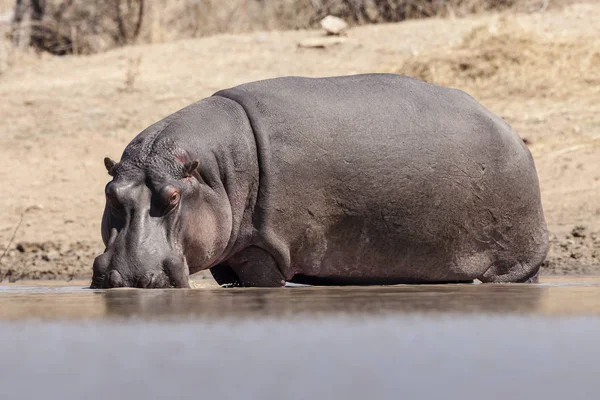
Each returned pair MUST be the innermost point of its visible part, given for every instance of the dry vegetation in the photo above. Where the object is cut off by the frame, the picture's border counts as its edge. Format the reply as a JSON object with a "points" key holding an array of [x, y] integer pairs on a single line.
{"points": [[86, 27], [62, 115], [504, 59], [67, 26]]}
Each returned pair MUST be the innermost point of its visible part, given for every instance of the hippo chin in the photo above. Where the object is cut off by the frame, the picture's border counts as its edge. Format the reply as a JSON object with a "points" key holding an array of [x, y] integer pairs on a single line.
{"points": [[367, 179]]}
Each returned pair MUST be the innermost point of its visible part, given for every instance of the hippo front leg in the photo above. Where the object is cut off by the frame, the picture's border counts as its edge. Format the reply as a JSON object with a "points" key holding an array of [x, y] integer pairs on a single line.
{"points": [[224, 276], [253, 267]]}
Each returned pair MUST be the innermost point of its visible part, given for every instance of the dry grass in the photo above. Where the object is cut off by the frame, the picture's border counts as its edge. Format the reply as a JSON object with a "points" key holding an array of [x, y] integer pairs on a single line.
{"points": [[91, 27], [166, 20], [505, 59], [6, 5], [131, 74], [11, 56]]}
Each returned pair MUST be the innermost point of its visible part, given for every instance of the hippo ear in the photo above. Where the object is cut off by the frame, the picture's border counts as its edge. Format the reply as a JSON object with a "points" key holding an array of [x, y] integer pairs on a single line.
{"points": [[189, 167], [109, 164]]}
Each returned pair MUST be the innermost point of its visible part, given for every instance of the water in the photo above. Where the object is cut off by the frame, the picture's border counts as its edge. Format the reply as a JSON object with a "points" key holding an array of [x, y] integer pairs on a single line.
{"points": [[451, 341]]}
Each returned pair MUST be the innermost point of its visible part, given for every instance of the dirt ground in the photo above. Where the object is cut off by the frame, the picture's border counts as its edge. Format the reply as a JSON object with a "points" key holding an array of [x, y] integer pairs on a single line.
{"points": [[61, 116]]}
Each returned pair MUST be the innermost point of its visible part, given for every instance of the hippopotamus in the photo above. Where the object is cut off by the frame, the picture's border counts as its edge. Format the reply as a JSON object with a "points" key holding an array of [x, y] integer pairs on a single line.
{"points": [[370, 179]]}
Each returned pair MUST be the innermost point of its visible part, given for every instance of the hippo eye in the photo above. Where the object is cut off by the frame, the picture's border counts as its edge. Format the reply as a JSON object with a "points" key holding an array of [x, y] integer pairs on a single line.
{"points": [[171, 196], [174, 198]]}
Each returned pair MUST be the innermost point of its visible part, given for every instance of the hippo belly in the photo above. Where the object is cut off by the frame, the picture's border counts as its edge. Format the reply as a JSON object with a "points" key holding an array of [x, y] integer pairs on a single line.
{"points": [[387, 179]]}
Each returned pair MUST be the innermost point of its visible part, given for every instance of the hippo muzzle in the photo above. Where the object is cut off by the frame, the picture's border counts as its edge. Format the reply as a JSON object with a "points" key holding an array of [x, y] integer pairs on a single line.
{"points": [[171, 273]]}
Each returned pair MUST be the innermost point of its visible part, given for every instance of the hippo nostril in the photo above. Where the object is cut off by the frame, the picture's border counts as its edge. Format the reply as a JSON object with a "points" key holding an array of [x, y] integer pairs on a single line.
{"points": [[161, 280], [114, 279], [145, 281], [153, 280]]}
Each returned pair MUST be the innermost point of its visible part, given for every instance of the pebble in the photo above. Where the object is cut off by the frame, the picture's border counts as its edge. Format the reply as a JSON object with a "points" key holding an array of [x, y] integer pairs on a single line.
{"points": [[50, 256], [333, 25], [579, 231]]}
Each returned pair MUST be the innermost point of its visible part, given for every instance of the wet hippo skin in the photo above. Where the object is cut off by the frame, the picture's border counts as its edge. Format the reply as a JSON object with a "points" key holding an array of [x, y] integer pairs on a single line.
{"points": [[366, 179]]}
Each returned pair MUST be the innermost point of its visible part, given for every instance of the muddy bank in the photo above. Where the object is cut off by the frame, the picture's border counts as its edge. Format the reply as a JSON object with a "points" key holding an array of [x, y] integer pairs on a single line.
{"points": [[53, 261], [574, 253], [49, 260]]}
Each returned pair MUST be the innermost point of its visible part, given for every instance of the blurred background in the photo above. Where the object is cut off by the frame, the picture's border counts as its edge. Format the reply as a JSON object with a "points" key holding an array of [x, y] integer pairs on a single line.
{"points": [[79, 79]]}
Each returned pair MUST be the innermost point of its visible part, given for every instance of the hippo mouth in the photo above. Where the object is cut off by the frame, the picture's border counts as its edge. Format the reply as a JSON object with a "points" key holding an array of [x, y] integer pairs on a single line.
{"points": [[174, 273]]}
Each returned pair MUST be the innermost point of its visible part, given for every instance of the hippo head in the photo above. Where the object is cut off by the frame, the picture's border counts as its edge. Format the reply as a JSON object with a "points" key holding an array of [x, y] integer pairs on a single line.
{"points": [[162, 221]]}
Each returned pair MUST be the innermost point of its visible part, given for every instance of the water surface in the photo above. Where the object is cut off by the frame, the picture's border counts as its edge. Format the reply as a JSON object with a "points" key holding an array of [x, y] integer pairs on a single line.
{"points": [[441, 341], [554, 296]]}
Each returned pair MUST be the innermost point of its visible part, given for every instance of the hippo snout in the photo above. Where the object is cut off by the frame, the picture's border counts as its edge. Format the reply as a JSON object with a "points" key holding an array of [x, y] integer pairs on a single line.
{"points": [[149, 280], [108, 273]]}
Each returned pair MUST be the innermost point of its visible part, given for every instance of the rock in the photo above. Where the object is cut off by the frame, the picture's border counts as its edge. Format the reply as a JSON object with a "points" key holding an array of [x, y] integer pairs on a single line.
{"points": [[50, 256], [35, 207], [64, 249], [578, 231], [333, 25], [321, 42]]}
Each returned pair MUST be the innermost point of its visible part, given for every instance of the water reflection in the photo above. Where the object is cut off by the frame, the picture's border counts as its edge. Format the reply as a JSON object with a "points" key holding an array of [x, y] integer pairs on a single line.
{"points": [[554, 298], [324, 301]]}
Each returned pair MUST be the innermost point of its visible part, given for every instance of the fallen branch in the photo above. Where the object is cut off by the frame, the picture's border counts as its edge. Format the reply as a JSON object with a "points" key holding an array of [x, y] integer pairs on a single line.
{"points": [[15, 234], [11, 240]]}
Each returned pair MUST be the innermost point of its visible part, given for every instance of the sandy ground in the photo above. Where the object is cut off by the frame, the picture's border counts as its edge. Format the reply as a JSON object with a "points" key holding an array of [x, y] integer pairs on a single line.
{"points": [[61, 116]]}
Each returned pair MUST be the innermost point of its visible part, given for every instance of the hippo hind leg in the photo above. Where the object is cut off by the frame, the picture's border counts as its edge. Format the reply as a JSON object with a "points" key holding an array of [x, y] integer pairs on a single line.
{"points": [[504, 272]]}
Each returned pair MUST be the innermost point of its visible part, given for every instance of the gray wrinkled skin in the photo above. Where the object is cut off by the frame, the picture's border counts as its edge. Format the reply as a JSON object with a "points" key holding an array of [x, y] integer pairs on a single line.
{"points": [[367, 179]]}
